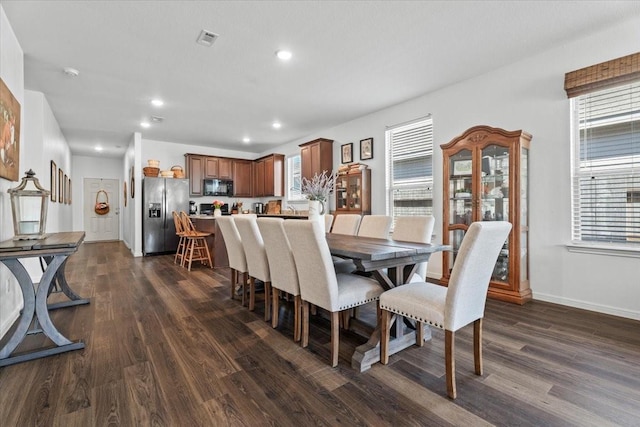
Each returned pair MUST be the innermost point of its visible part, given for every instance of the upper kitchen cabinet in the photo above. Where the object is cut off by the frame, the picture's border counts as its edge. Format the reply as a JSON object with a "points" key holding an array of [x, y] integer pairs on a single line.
{"points": [[242, 177], [486, 179], [195, 165], [268, 177], [225, 168], [210, 167], [316, 156]]}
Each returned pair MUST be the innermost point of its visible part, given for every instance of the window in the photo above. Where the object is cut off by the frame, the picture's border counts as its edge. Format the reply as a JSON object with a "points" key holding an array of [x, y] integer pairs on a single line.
{"points": [[294, 178], [606, 169], [409, 173]]}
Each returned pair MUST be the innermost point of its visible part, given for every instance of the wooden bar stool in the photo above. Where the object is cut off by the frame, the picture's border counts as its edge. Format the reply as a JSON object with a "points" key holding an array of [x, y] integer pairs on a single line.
{"points": [[182, 242], [196, 243]]}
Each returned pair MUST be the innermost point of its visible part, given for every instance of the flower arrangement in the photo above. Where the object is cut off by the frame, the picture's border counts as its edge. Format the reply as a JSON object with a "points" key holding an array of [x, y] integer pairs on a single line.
{"points": [[318, 187], [217, 204]]}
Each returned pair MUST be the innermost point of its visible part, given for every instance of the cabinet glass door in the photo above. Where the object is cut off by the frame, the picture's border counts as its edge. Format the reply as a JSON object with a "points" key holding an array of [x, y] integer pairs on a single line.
{"points": [[354, 192], [461, 188], [341, 192]]}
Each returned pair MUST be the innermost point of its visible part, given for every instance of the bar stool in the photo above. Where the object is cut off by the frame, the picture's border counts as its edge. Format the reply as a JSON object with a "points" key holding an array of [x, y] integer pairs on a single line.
{"points": [[196, 243], [182, 242]]}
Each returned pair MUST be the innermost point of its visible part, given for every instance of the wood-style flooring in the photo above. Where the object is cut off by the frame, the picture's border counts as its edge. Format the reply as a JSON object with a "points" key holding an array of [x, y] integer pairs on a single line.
{"points": [[168, 347]]}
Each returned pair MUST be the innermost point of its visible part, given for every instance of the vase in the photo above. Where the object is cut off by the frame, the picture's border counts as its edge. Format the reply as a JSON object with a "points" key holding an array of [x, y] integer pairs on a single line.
{"points": [[316, 212], [217, 212]]}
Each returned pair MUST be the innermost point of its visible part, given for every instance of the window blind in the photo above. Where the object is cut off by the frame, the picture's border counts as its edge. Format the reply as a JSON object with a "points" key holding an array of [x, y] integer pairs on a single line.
{"points": [[606, 170], [410, 168]]}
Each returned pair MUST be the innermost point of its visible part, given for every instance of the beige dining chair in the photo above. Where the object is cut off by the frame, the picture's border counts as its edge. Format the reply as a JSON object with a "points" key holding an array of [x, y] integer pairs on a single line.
{"points": [[377, 226], [319, 283], [235, 252], [196, 247], [450, 308], [418, 229], [282, 266], [328, 222], [346, 224], [257, 262]]}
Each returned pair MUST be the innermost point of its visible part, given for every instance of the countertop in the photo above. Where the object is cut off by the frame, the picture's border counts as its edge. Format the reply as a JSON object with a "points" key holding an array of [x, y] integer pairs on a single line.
{"points": [[283, 215]]}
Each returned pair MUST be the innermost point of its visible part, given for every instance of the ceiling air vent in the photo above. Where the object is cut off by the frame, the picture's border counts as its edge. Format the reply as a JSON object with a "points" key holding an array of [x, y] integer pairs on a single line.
{"points": [[207, 38], [157, 119]]}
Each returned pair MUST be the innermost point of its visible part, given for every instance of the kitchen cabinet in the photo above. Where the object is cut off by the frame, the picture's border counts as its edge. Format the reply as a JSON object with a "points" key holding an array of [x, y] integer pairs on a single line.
{"points": [[316, 156], [195, 172], [225, 168], [268, 177], [211, 167], [242, 181], [353, 190], [486, 179]]}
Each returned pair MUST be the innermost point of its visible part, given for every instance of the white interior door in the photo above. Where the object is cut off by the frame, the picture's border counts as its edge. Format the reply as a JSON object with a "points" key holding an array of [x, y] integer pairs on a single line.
{"points": [[101, 227]]}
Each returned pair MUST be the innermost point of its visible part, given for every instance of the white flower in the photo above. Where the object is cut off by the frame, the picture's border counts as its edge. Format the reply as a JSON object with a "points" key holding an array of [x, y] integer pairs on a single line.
{"points": [[318, 187]]}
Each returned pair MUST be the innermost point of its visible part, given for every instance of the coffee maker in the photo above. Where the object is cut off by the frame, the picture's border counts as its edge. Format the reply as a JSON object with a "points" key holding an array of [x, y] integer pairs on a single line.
{"points": [[258, 208], [193, 208]]}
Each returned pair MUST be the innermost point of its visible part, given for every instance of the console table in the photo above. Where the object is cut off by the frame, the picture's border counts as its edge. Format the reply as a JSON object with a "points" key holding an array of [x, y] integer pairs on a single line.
{"points": [[54, 250]]}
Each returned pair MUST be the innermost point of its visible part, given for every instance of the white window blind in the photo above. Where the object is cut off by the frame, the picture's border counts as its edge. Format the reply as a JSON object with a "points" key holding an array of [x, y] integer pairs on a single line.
{"points": [[606, 169], [409, 173], [294, 178]]}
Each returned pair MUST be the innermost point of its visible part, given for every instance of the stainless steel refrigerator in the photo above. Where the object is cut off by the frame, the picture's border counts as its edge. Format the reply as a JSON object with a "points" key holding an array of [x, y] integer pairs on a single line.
{"points": [[160, 197]]}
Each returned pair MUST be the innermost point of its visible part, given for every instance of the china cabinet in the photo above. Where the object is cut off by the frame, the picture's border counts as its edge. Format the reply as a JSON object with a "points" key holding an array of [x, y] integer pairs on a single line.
{"points": [[353, 190], [486, 179]]}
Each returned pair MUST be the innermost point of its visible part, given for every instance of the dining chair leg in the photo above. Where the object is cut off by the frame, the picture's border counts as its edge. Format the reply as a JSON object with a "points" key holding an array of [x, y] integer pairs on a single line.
{"points": [[419, 334], [450, 361], [267, 301], [477, 346], [335, 337], [385, 332], [234, 280], [245, 279], [296, 318], [275, 294], [252, 293], [305, 323]]}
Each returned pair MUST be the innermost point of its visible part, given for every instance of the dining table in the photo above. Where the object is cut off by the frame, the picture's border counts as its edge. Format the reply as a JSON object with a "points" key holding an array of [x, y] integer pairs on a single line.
{"points": [[53, 251], [392, 263]]}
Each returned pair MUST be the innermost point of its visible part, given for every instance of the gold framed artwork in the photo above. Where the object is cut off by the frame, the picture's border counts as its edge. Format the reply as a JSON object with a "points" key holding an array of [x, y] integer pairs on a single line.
{"points": [[65, 184], [69, 190], [9, 134], [53, 177], [366, 149], [60, 186], [347, 152]]}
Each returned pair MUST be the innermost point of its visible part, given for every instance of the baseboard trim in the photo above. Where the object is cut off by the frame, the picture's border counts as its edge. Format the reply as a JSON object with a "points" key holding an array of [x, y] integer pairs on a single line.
{"points": [[599, 308]]}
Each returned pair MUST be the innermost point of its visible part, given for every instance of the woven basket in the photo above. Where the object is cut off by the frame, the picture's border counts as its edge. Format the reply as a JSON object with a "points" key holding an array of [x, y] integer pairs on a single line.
{"points": [[149, 171], [102, 208]]}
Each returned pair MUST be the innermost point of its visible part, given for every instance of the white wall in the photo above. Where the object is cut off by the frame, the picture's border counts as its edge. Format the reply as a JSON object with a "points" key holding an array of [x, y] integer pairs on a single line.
{"points": [[528, 95]]}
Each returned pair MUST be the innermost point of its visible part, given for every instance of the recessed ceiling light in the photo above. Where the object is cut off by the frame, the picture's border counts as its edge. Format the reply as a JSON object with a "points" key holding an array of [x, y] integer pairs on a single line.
{"points": [[157, 102], [276, 125], [284, 55], [98, 148], [246, 140], [145, 124], [71, 72]]}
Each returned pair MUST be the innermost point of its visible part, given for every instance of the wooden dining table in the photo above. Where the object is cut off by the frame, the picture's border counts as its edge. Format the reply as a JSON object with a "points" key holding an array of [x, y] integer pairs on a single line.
{"points": [[392, 263]]}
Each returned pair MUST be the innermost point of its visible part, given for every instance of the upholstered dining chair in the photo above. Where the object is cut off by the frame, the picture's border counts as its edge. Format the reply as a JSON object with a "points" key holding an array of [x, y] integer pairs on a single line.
{"points": [[319, 283], [235, 252], [257, 262], [282, 266], [377, 226], [416, 229], [328, 222], [346, 224], [450, 308], [196, 248], [177, 222]]}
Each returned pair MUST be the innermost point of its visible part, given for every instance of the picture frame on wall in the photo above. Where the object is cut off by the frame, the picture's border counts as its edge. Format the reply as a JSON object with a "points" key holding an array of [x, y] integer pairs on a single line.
{"points": [[65, 184], [69, 190], [366, 149], [347, 152], [9, 134], [60, 186], [53, 177]]}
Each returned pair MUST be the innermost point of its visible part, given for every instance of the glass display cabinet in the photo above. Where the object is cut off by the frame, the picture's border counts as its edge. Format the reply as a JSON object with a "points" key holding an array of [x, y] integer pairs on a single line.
{"points": [[353, 190], [486, 179]]}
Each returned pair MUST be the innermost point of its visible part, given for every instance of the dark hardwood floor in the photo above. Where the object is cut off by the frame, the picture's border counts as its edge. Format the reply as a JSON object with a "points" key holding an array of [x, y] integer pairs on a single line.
{"points": [[168, 347]]}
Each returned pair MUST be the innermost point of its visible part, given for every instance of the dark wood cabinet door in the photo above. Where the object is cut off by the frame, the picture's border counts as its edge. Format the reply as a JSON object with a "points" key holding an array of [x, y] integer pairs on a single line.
{"points": [[195, 168], [316, 156], [225, 168], [211, 167], [242, 178], [259, 179]]}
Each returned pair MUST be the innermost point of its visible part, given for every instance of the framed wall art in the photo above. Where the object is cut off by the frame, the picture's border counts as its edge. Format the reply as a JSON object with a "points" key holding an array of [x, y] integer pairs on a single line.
{"points": [[65, 184], [347, 152], [9, 134], [366, 149], [69, 190], [60, 186], [462, 167], [53, 177]]}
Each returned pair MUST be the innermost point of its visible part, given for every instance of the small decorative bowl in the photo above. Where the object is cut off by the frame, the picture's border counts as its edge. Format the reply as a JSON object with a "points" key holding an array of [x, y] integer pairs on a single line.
{"points": [[154, 163], [149, 171]]}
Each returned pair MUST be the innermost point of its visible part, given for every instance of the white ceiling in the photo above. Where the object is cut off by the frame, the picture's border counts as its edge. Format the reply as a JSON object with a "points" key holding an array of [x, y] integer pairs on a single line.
{"points": [[350, 58]]}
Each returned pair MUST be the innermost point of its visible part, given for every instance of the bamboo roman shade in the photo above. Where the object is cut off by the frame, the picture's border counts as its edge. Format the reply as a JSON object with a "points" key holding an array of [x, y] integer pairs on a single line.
{"points": [[604, 75]]}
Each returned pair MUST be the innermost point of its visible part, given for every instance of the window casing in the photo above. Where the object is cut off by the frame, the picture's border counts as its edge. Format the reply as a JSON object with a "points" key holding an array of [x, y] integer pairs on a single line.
{"points": [[606, 167], [294, 179], [409, 168]]}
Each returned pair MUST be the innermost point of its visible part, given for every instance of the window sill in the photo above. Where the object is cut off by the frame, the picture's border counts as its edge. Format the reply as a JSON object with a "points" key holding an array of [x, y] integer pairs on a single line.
{"points": [[619, 251]]}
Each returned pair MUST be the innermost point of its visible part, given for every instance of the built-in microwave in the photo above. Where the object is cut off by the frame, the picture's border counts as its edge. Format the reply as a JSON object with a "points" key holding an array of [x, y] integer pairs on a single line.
{"points": [[218, 187]]}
